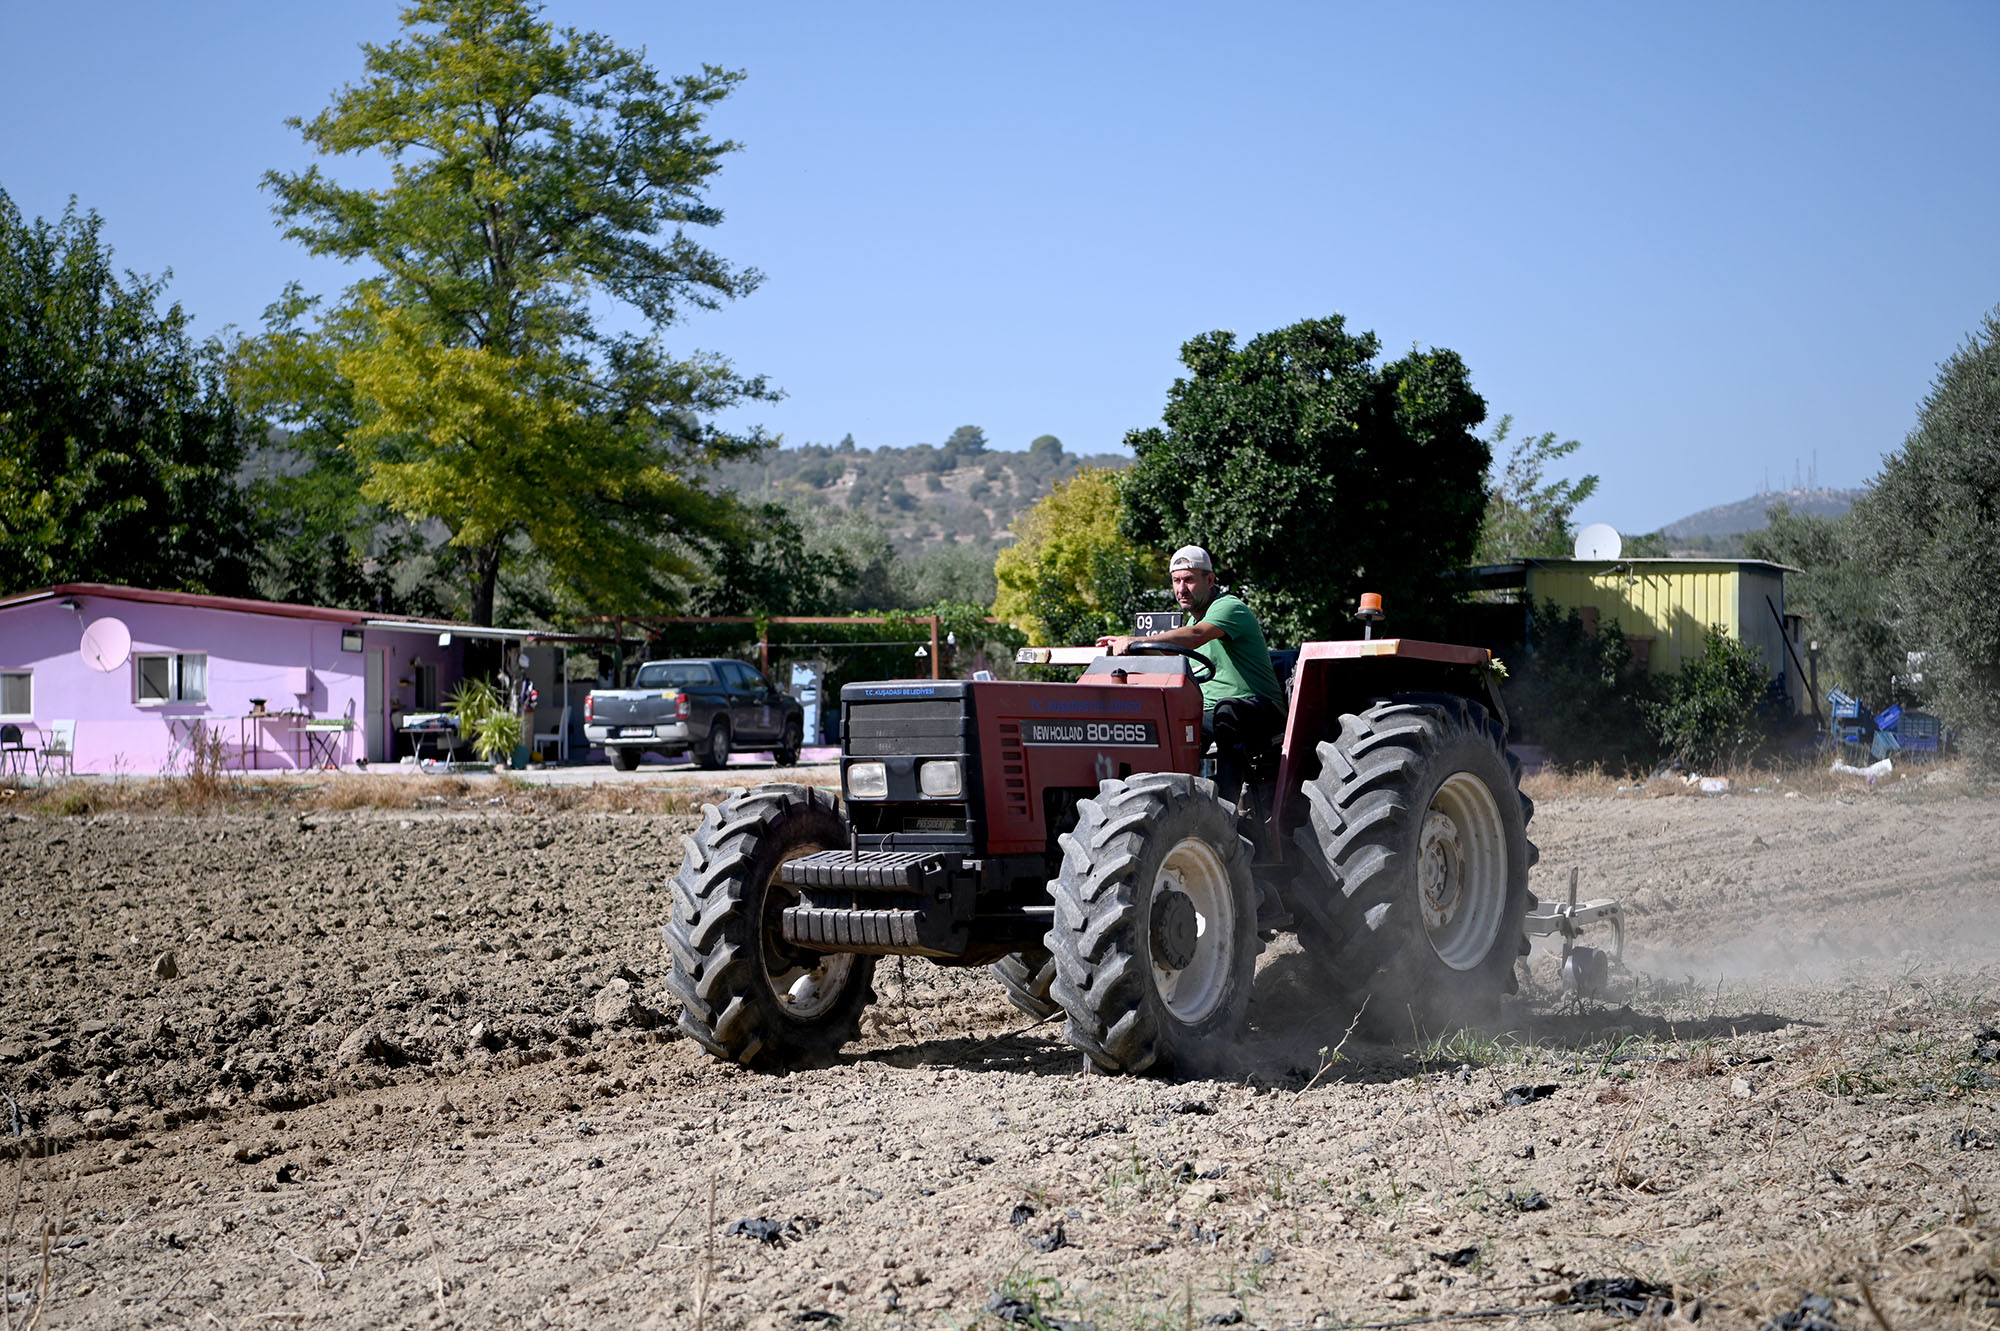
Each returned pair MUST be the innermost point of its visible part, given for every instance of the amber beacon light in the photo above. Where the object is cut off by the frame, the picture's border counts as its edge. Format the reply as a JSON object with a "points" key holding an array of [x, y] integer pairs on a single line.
{"points": [[1369, 613]]}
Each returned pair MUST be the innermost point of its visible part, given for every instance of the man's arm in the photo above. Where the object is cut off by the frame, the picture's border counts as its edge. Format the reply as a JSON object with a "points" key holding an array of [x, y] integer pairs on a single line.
{"points": [[1188, 636]]}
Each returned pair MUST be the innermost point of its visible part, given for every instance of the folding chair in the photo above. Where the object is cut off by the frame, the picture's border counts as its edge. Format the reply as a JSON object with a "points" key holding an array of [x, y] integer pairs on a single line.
{"points": [[558, 737], [13, 753], [58, 749]]}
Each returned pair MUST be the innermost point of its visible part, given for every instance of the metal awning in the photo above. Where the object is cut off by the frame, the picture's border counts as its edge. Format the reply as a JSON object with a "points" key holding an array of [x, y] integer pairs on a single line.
{"points": [[456, 630]]}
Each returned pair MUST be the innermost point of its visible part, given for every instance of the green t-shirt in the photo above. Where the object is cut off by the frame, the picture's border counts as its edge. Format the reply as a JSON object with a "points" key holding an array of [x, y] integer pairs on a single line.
{"points": [[1242, 662]]}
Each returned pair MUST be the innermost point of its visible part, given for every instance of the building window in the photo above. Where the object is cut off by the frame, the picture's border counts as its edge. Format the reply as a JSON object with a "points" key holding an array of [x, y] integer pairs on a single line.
{"points": [[173, 677], [427, 686], [17, 693]]}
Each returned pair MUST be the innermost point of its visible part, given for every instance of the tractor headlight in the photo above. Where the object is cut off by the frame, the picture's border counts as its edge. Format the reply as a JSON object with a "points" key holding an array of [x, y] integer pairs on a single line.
{"points": [[867, 781], [941, 780]]}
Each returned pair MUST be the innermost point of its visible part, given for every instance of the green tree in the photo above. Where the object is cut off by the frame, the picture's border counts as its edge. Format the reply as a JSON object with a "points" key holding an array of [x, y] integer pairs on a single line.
{"points": [[763, 565], [1315, 474], [951, 572], [319, 541], [119, 443], [537, 174], [856, 542], [1072, 575], [1837, 591], [1930, 524], [1575, 692], [1526, 516], [967, 441]]}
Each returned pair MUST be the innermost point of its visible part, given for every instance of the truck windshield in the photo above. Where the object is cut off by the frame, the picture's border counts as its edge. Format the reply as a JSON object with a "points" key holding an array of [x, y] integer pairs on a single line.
{"points": [[672, 675]]}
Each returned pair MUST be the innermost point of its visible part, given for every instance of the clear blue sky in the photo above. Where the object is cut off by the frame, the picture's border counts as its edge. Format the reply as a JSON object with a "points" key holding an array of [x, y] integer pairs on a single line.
{"points": [[1711, 241]]}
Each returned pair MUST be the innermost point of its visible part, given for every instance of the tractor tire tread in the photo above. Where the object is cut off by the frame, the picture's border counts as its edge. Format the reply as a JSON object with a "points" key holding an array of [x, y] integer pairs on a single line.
{"points": [[711, 940], [1103, 978]]}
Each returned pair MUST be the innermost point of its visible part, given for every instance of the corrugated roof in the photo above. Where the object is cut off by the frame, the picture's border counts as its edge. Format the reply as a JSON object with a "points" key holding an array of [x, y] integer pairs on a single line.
{"points": [[1515, 572]]}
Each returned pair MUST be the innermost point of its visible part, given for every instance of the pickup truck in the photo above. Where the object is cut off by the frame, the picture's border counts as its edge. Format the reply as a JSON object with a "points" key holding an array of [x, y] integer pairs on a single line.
{"points": [[707, 706]]}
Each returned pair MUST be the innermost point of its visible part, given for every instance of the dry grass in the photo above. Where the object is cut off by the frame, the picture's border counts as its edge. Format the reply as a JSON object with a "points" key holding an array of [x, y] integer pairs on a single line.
{"points": [[1942, 779], [208, 791]]}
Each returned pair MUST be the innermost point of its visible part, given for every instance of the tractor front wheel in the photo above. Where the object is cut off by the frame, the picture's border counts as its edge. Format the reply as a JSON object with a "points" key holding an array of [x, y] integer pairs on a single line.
{"points": [[1155, 930], [1419, 830], [746, 994]]}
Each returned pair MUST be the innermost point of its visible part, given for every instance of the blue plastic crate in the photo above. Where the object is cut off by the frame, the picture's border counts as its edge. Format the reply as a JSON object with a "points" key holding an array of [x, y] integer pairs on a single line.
{"points": [[1845, 706], [1919, 732]]}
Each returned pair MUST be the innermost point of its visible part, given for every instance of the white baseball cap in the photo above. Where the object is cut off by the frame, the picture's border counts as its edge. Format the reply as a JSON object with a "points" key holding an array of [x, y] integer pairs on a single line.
{"points": [[1191, 556]]}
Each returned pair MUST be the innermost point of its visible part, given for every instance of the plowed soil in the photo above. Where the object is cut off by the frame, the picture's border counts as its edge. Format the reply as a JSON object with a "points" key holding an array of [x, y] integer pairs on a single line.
{"points": [[422, 1070]]}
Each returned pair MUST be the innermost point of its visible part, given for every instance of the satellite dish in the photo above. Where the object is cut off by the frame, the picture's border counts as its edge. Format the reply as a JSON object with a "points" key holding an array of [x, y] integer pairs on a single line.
{"points": [[1598, 541], [106, 644]]}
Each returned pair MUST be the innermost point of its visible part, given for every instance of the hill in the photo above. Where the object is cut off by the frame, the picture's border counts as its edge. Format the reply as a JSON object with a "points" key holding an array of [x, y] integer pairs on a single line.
{"points": [[923, 496], [1720, 530]]}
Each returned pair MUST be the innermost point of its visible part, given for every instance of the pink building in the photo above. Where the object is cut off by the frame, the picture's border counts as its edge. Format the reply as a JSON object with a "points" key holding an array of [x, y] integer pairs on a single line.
{"points": [[279, 686]]}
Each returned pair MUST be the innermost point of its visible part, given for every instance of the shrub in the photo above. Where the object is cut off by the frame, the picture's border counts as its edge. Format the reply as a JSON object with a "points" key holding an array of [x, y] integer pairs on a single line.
{"points": [[1709, 716]]}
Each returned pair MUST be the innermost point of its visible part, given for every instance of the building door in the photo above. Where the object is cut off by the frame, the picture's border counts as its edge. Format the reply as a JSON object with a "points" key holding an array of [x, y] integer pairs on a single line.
{"points": [[374, 697]]}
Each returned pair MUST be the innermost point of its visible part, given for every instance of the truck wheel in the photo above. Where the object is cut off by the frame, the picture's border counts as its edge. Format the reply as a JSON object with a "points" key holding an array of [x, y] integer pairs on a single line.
{"points": [[714, 752], [626, 759], [1155, 931], [1419, 832], [1026, 976], [746, 994], [787, 752]]}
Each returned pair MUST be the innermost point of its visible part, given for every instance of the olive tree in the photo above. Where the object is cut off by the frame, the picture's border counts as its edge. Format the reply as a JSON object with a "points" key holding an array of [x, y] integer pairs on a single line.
{"points": [[1930, 524]]}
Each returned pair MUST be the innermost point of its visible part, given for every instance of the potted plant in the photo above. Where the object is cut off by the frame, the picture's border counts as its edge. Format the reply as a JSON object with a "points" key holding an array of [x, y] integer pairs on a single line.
{"points": [[485, 718]]}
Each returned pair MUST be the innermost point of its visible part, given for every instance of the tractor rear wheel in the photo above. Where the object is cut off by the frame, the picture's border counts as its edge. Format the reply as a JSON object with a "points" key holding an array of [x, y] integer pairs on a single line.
{"points": [[746, 994], [1155, 929], [1419, 831], [1026, 976]]}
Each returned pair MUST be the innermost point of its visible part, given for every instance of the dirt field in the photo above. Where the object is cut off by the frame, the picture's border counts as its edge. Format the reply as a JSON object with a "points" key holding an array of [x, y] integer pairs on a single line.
{"points": [[368, 1068]]}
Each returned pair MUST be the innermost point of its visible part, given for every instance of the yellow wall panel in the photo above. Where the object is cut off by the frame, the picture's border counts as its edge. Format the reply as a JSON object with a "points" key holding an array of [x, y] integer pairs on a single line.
{"points": [[1674, 604]]}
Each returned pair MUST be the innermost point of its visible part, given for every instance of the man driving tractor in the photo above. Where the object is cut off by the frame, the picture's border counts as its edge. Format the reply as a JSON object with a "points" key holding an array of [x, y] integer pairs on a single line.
{"points": [[1242, 703]]}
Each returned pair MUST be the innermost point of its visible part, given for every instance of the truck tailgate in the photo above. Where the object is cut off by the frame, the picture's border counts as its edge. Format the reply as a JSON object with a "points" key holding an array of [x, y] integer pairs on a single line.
{"points": [[631, 708]]}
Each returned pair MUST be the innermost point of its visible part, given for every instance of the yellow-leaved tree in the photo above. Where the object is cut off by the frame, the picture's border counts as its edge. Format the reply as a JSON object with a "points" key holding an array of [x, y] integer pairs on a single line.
{"points": [[1070, 576], [540, 178]]}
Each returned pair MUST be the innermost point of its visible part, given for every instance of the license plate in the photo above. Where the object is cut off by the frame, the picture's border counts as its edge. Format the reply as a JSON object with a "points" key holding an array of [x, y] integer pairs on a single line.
{"points": [[631, 731]]}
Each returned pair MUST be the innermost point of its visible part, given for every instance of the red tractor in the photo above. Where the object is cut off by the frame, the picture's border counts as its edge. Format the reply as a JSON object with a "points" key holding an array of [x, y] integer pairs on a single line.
{"points": [[1062, 832]]}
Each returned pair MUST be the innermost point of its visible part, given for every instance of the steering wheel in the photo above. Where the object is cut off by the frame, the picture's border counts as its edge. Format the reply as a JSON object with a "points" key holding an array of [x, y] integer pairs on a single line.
{"points": [[1203, 669]]}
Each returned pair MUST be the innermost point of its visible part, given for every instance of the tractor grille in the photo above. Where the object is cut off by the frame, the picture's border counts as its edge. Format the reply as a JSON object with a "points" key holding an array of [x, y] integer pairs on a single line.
{"points": [[932, 727]]}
